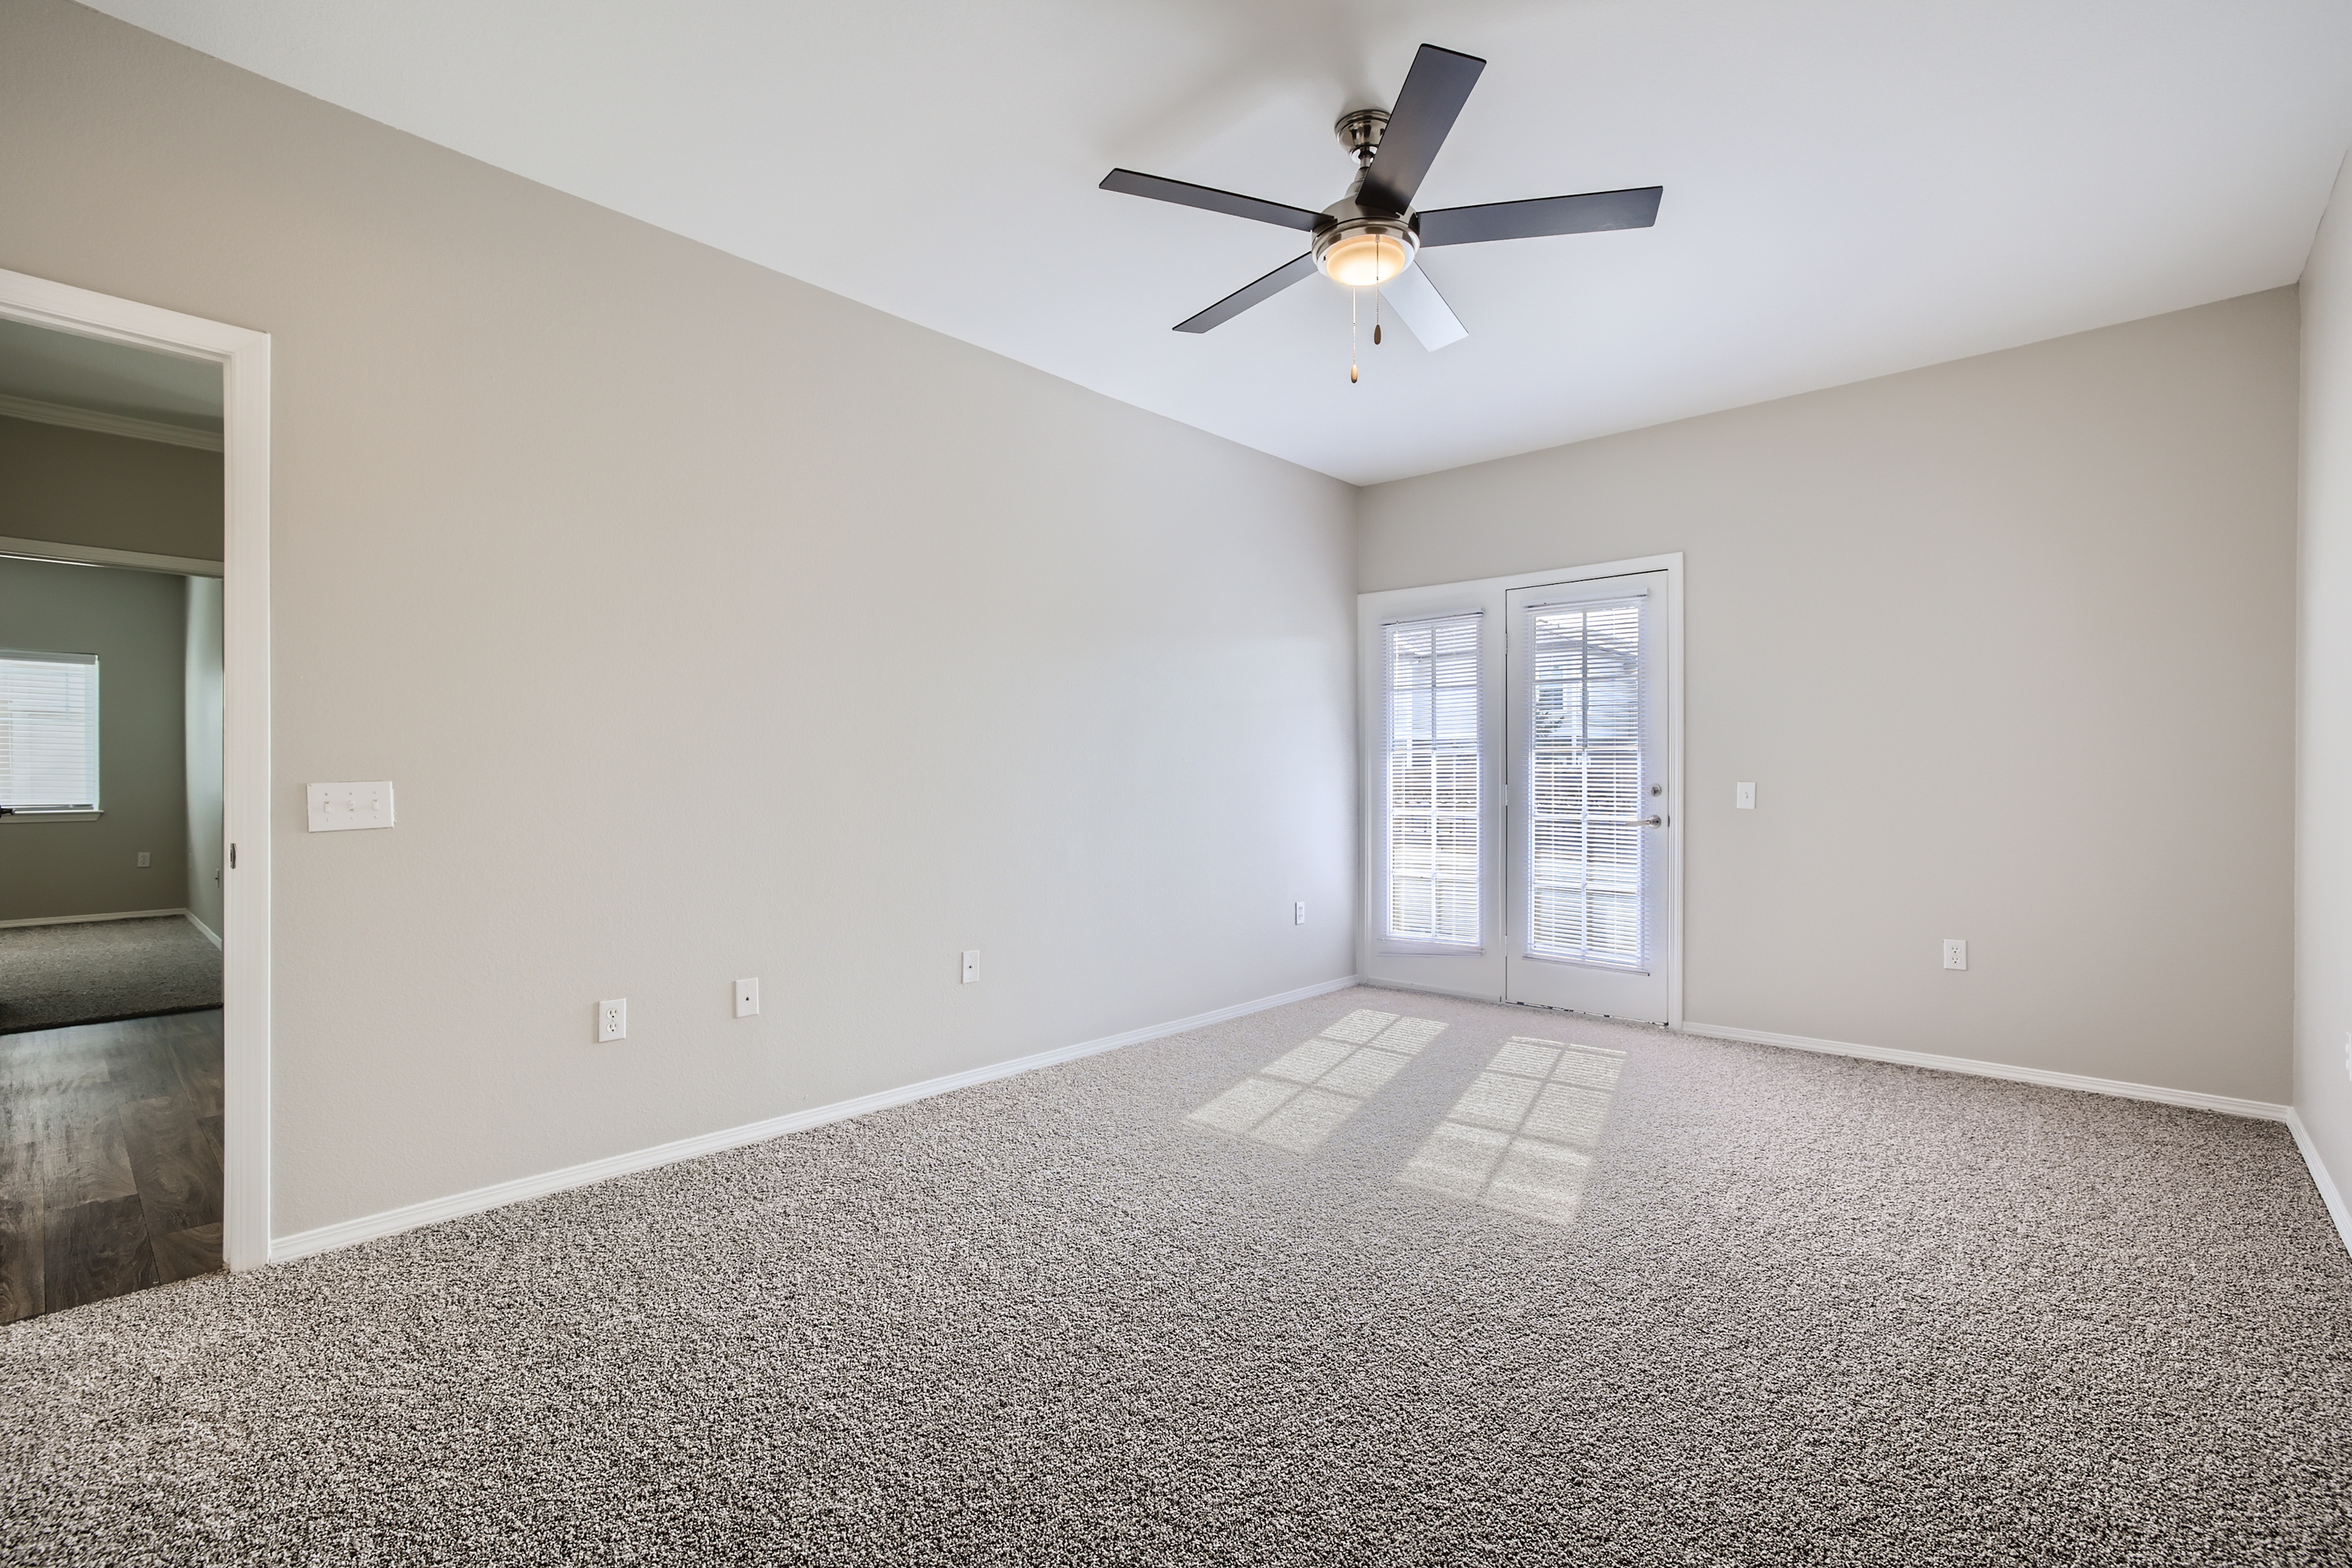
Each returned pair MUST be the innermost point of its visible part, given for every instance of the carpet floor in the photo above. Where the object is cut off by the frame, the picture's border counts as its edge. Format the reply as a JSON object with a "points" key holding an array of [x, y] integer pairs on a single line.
{"points": [[1374, 1278], [97, 971]]}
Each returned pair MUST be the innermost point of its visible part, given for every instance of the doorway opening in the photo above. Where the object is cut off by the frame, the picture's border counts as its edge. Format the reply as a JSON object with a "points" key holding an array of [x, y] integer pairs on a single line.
{"points": [[133, 737]]}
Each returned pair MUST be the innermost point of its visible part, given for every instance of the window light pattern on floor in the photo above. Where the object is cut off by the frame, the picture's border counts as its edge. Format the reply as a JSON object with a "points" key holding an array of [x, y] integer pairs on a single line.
{"points": [[1520, 1139], [1300, 1099]]}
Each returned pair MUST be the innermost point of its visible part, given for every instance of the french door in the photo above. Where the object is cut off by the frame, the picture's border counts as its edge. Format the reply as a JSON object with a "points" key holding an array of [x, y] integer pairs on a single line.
{"points": [[1585, 860], [1519, 789]]}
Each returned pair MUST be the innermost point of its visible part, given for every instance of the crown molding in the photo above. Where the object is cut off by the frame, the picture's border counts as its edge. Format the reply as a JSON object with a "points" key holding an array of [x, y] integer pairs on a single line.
{"points": [[98, 555], [42, 413]]}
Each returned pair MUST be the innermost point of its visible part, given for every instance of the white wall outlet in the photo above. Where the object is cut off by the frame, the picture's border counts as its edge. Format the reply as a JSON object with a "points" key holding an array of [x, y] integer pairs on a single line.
{"points": [[1298, 914], [337, 807], [1956, 953], [145, 857], [970, 966], [1744, 796], [747, 998], [613, 1019]]}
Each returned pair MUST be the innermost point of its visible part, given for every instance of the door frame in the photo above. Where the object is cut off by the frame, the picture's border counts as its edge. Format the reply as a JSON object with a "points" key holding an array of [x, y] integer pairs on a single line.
{"points": [[1487, 595], [243, 355]]}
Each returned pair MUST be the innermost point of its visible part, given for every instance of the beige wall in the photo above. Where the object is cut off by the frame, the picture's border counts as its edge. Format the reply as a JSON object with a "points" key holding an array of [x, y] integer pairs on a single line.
{"points": [[709, 626], [2323, 1059], [77, 486], [2006, 647], [133, 622]]}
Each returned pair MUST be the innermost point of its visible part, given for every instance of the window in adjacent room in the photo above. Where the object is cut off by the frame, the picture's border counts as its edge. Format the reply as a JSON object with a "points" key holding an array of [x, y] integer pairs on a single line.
{"points": [[49, 731]]}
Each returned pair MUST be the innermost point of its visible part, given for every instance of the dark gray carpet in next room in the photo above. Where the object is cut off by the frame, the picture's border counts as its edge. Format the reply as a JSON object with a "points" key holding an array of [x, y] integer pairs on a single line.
{"points": [[1374, 1278], [97, 971]]}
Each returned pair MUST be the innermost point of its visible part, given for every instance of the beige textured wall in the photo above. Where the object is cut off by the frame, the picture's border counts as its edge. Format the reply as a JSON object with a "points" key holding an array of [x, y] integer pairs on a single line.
{"points": [[710, 626], [133, 621], [77, 486], [2323, 979], [2006, 646]]}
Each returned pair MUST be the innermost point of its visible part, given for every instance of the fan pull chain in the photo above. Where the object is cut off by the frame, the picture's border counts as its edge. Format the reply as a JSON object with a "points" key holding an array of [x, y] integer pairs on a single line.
{"points": [[1355, 302], [1379, 253]]}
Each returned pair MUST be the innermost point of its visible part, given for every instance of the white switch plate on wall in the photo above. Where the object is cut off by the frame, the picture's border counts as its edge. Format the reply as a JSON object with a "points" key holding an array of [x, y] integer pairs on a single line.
{"points": [[970, 966], [1956, 953], [747, 998], [337, 807], [613, 1019], [1744, 796]]}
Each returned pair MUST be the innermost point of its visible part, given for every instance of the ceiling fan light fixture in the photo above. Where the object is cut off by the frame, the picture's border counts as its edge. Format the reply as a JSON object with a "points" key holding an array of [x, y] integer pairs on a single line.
{"points": [[1364, 252]]}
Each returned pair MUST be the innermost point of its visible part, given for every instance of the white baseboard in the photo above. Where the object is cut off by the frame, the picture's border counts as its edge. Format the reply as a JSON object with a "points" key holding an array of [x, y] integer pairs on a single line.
{"points": [[392, 1222], [2261, 1110], [209, 934], [85, 920], [2321, 1179]]}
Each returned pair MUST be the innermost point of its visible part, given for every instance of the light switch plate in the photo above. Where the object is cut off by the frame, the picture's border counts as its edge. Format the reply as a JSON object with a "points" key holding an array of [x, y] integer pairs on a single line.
{"points": [[337, 807], [747, 998], [1744, 796], [970, 966]]}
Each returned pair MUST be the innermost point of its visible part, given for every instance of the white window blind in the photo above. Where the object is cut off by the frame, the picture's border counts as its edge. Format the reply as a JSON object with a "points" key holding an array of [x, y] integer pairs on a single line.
{"points": [[1432, 780], [49, 731], [1584, 769]]}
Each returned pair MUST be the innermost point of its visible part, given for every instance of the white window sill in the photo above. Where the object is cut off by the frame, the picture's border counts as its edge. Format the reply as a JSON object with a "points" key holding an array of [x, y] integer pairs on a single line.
{"points": [[26, 815]]}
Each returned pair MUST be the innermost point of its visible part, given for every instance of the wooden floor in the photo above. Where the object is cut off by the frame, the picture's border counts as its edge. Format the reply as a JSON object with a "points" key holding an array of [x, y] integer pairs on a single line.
{"points": [[109, 1159]]}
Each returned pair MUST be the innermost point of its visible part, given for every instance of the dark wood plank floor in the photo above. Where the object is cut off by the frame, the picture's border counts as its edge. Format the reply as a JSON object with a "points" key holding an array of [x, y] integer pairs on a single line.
{"points": [[109, 1159]]}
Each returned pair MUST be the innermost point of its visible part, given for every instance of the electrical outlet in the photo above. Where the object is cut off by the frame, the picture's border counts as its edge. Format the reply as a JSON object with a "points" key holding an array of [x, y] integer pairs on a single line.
{"points": [[1956, 953], [613, 1019], [1744, 796], [747, 998], [145, 857], [1298, 914], [970, 966]]}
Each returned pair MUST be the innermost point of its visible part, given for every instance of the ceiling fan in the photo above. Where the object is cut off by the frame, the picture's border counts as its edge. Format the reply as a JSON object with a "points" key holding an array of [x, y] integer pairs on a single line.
{"points": [[1371, 236]]}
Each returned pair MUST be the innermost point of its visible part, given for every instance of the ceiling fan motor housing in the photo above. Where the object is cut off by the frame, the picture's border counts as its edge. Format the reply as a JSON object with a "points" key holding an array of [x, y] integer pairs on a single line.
{"points": [[1354, 244]]}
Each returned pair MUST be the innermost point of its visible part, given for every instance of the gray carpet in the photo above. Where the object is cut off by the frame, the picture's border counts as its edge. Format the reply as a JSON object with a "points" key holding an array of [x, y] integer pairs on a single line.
{"points": [[96, 971], [1418, 1294]]}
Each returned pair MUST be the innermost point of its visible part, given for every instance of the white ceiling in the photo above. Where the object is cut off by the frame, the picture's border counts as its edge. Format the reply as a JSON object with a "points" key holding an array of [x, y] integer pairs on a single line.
{"points": [[1853, 186]]}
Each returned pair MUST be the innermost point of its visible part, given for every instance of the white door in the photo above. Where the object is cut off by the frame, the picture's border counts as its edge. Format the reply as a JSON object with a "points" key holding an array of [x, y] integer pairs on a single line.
{"points": [[1586, 854], [1435, 671]]}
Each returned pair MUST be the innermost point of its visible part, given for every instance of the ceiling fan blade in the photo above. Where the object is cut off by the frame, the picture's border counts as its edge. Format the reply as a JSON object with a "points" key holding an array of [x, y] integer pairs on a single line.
{"points": [[1587, 213], [1413, 297], [1433, 93], [1129, 182], [1241, 299]]}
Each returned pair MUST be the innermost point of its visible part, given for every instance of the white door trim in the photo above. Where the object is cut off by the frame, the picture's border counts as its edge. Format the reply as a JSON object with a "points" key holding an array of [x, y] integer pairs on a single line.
{"points": [[243, 355], [1489, 591]]}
